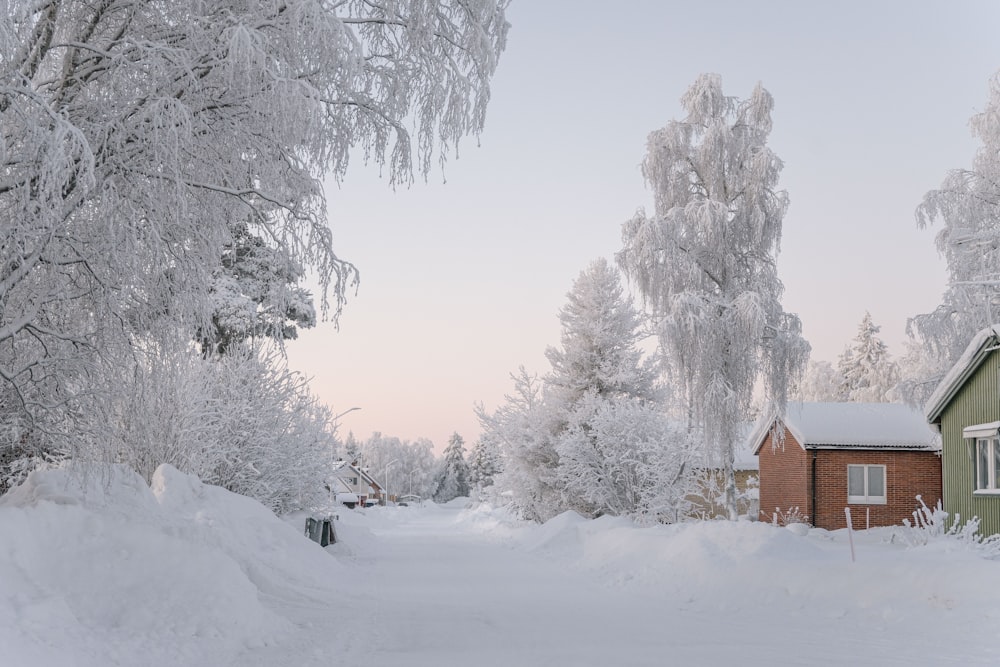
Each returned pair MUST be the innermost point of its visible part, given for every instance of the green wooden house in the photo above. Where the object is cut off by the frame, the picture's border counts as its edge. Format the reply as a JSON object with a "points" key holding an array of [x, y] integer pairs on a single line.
{"points": [[965, 407]]}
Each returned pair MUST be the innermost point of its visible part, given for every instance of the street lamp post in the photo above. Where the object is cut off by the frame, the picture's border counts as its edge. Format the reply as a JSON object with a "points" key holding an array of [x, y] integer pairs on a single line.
{"points": [[333, 452], [387, 480]]}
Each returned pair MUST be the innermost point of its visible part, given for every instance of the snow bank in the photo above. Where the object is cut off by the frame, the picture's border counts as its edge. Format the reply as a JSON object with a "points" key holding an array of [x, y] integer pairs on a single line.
{"points": [[97, 568], [722, 566]]}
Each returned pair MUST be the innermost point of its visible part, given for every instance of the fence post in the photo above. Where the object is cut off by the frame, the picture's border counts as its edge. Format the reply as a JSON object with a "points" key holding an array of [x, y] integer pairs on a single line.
{"points": [[850, 531]]}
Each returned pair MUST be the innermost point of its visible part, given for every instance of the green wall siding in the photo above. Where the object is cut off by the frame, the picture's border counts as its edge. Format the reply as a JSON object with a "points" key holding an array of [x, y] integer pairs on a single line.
{"points": [[978, 402]]}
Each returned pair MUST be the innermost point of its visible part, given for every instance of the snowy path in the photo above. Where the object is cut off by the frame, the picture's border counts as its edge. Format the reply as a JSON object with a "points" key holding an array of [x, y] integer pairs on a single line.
{"points": [[445, 594], [180, 574], [457, 599]]}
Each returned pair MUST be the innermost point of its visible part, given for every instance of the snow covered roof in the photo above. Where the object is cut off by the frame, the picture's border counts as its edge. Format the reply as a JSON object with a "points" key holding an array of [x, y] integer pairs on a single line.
{"points": [[851, 425], [343, 467], [979, 348]]}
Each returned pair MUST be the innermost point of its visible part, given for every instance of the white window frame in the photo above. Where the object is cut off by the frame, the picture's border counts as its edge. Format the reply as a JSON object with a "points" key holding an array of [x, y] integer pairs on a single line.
{"points": [[990, 445], [867, 499]]}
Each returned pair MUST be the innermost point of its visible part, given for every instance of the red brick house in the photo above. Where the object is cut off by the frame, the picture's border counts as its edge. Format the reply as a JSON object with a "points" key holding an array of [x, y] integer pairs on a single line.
{"points": [[874, 458]]}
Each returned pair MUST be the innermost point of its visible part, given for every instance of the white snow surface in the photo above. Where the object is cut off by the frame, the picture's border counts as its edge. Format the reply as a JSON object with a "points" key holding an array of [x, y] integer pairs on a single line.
{"points": [[108, 571], [875, 425]]}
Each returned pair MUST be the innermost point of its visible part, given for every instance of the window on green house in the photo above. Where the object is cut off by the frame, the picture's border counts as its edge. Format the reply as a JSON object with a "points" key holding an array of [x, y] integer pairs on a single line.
{"points": [[866, 484], [987, 463]]}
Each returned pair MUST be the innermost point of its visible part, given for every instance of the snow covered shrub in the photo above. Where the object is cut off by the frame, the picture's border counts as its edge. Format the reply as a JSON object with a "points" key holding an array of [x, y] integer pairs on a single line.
{"points": [[242, 421], [930, 525], [622, 457], [16, 465], [793, 515], [274, 441]]}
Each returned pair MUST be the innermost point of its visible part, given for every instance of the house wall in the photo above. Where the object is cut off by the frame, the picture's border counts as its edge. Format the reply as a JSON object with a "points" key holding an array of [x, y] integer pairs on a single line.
{"points": [[708, 502], [907, 474], [977, 402], [784, 478]]}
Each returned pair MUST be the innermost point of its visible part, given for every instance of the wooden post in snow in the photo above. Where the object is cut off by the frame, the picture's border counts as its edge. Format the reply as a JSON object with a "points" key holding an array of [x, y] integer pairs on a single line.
{"points": [[850, 531]]}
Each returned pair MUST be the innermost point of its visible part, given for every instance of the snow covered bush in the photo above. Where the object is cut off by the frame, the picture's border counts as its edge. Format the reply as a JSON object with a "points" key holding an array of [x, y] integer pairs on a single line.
{"points": [[522, 428], [242, 421], [931, 524], [791, 516], [619, 457]]}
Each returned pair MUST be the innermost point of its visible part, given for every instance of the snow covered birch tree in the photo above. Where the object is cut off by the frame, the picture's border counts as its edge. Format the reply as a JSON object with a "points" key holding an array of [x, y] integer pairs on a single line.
{"points": [[820, 382], [705, 262], [135, 134], [968, 207]]}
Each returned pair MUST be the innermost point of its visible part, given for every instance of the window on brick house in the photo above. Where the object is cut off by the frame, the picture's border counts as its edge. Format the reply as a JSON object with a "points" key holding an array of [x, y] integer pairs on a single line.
{"points": [[866, 484], [987, 463]]}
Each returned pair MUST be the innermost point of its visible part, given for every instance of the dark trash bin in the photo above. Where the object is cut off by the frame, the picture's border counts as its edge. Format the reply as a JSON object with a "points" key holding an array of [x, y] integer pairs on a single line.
{"points": [[321, 530]]}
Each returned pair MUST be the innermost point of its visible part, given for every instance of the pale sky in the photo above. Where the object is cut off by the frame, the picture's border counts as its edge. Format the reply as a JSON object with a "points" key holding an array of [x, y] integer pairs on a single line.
{"points": [[462, 281]]}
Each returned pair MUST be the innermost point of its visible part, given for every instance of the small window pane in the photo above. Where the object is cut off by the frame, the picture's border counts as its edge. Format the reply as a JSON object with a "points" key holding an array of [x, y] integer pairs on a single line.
{"points": [[996, 461], [983, 464], [855, 480], [876, 481]]}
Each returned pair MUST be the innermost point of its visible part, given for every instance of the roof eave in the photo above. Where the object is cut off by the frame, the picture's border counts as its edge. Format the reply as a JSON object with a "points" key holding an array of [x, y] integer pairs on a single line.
{"points": [[950, 386]]}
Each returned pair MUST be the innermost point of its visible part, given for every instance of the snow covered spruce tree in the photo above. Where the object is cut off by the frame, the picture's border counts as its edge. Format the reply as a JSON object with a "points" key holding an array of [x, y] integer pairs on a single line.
{"points": [[256, 295], [454, 480], [705, 262], [484, 462], [611, 432], [593, 436], [867, 372], [138, 136], [968, 207]]}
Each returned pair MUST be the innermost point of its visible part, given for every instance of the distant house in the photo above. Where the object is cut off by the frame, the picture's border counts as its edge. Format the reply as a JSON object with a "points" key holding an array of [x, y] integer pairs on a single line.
{"points": [[709, 500], [874, 458], [350, 480], [965, 408]]}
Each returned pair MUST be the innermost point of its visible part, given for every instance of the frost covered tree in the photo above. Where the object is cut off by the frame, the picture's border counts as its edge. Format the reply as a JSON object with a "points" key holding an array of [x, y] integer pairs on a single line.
{"points": [[868, 374], [920, 372], [820, 382], [256, 295], [136, 135], [601, 329], [967, 205], [522, 428], [403, 466], [484, 462], [454, 480], [593, 436], [610, 431], [350, 449], [704, 262]]}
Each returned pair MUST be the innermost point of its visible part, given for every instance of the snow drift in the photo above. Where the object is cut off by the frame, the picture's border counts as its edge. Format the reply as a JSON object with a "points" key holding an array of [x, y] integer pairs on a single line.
{"points": [[97, 568]]}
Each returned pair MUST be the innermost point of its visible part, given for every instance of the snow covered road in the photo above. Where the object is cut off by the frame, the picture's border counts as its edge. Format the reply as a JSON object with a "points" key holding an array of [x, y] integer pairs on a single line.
{"points": [[181, 574], [449, 588], [446, 597]]}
